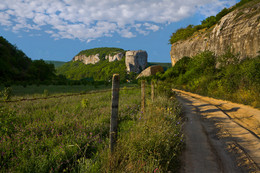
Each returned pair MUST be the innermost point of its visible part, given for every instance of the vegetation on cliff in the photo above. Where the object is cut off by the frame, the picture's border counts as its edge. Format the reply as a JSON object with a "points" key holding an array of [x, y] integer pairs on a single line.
{"points": [[102, 51], [16, 66], [224, 77], [101, 71], [184, 33]]}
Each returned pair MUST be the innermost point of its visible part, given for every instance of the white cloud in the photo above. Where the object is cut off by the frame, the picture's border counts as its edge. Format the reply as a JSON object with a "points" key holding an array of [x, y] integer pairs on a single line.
{"points": [[90, 19], [152, 27]]}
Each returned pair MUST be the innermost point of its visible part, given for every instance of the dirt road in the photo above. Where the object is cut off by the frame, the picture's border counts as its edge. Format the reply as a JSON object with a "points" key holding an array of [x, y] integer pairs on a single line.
{"points": [[220, 136]]}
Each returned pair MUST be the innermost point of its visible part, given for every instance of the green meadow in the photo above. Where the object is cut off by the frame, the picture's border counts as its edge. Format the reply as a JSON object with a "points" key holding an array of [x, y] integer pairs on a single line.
{"points": [[71, 133]]}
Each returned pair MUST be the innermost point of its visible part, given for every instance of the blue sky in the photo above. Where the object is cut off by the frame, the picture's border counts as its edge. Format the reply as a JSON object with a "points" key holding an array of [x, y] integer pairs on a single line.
{"points": [[59, 29]]}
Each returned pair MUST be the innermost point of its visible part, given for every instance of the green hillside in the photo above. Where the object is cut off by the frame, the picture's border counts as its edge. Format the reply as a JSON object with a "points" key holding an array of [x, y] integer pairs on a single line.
{"points": [[101, 71], [16, 66]]}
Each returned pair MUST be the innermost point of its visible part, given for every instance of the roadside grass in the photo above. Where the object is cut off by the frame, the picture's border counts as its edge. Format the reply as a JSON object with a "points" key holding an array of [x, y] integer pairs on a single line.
{"points": [[70, 134]]}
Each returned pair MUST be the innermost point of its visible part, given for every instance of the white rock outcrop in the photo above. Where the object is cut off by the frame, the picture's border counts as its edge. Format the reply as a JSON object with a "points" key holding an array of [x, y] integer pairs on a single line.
{"points": [[92, 59], [136, 61], [116, 57], [149, 71]]}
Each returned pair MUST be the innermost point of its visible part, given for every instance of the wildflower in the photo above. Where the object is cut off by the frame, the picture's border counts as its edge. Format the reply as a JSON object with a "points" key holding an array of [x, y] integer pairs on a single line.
{"points": [[156, 170]]}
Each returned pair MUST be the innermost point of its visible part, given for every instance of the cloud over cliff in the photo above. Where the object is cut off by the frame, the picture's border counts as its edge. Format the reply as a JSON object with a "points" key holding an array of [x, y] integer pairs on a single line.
{"points": [[90, 19]]}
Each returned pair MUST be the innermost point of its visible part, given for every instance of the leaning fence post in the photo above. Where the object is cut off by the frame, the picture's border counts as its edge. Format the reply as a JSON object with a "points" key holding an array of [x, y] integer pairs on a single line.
{"points": [[114, 112], [152, 91], [143, 96]]}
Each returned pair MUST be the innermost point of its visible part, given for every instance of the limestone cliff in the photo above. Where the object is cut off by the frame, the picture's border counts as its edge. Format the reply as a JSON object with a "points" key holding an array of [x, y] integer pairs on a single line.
{"points": [[92, 59], [116, 57], [136, 61], [238, 31]]}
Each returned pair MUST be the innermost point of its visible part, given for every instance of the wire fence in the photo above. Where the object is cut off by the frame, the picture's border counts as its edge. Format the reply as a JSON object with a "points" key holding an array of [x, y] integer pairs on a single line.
{"points": [[67, 163], [67, 95]]}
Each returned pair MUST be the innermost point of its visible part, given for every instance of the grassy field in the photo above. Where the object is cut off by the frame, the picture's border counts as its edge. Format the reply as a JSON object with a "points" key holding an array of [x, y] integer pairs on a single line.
{"points": [[71, 133], [39, 91]]}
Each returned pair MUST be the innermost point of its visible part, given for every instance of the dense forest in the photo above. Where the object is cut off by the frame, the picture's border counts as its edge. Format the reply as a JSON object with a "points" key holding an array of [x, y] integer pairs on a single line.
{"points": [[16, 67], [184, 33]]}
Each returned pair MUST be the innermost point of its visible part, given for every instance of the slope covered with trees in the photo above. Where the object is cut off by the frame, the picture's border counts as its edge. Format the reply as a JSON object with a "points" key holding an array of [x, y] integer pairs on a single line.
{"points": [[101, 71], [15, 66]]}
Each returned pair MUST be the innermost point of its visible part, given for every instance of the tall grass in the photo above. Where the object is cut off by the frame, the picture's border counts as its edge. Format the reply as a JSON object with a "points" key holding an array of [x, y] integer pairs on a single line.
{"points": [[71, 134], [150, 142]]}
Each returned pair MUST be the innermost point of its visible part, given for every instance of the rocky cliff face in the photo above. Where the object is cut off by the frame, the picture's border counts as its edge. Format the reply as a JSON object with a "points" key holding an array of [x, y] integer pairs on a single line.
{"points": [[116, 57], [149, 71], [92, 59], [136, 61], [238, 31]]}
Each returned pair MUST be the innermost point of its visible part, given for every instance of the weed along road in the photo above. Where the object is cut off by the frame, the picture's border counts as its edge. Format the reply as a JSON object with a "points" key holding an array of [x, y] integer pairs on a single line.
{"points": [[220, 136]]}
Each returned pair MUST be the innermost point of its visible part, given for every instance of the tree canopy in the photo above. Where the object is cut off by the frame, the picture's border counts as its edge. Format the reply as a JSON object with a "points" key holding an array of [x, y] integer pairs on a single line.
{"points": [[16, 66]]}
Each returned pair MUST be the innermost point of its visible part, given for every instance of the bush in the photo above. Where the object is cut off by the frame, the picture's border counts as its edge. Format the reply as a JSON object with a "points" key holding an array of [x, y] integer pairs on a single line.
{"points": [[7, 121], [6, 94]]}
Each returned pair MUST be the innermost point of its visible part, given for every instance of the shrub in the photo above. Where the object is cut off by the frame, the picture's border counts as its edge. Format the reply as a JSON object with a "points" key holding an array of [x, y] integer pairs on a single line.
{"points": [[46, 93], [84, 103], [6, 94]]}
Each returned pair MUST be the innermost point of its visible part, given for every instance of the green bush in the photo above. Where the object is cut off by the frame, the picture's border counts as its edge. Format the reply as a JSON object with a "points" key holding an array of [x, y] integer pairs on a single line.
{"points": [[7, 122], [6, 94]]}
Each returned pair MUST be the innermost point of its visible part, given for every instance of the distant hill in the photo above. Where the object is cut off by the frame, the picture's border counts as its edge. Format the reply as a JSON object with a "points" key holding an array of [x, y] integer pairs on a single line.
{"points": [[101, 70], [15, 65], [56, 64]]}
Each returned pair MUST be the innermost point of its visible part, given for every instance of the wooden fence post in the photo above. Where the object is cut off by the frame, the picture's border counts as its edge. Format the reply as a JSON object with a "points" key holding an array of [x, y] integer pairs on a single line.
{"points": [[152, 91], [143, 96], [114, 112]]}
